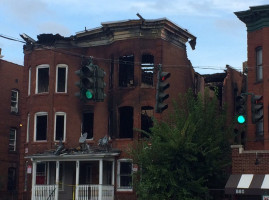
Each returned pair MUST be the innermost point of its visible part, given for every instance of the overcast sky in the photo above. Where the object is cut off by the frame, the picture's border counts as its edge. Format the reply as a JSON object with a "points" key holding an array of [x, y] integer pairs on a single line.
{"points": [[221, 36]]}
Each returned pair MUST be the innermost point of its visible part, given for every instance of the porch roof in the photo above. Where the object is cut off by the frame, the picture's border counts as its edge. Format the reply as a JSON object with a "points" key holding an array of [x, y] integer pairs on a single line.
{"points": [[74, 155]]}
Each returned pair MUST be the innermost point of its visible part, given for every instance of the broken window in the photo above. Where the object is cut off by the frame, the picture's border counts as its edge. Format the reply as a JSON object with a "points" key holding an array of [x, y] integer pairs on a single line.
{"points": [[60, 126], [87, 124], [146, 119], [42, 82], [126, 122], [41, 120], [12, 140], [61, 81], [126, 71], [111, 74], [11, 182], [124, 175], [147, 67], [14, 101]]}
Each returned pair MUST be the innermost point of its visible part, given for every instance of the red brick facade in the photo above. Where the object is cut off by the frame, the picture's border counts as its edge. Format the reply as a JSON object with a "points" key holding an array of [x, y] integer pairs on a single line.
{"points": [[157, 42], [10, 80]]}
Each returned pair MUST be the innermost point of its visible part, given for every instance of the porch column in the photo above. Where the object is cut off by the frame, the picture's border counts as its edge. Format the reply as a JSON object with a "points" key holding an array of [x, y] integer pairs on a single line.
{"points": [[113, 173], [33, 179], [100, 179], [57, 180], [77, 178]]}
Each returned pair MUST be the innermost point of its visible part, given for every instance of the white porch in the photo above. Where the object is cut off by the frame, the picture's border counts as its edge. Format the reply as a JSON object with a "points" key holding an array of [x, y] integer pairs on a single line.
{"points": [[85, 178]]}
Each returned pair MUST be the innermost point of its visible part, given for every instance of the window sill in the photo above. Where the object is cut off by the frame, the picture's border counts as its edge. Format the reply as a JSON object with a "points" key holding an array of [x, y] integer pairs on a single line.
{"points": [[124, 190], [258, 82]]}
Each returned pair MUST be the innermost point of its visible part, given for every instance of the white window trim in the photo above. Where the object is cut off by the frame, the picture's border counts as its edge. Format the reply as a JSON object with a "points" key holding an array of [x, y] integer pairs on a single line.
{"points": [[15, 108], [29, 81], [55, 117], [40, 114], [14, 141], [66, 75], [28, 128], [37, 69], [118, 175]]}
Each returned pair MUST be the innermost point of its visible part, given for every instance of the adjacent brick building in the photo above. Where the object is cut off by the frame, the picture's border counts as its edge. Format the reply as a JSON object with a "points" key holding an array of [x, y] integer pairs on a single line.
{"points": [[250, 164], [10, 130], [57, 159]]}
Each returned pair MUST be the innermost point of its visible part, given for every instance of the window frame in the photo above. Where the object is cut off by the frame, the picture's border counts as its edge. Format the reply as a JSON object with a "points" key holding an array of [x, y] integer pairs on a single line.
{"points": [[55, 124], [37, 81], [119, 187], [83, 124], [259, 64], [14, 141], [66, 76], [28, 128], [35, 125], [14, 109]]}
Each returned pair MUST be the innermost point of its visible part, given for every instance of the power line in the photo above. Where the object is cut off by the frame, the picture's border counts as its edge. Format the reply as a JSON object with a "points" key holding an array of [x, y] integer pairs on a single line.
{"points": [[113, 60]]}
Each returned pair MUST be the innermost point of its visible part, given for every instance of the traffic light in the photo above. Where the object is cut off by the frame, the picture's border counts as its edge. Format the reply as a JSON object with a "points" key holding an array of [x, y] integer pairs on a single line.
{"points": [[87, 80], [91, 81], [240, 109], [160, 90], [99, 84], [256, 108]]}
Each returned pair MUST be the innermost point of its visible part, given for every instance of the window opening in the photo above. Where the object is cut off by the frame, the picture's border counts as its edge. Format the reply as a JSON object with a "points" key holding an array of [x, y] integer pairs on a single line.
{"points": [[11, 183], [42, 79], [111, 74], [125, 175], [12, 140], [147, 67], [61, 79], [29, 81], [41, 127], [28, 128], [87, 124], [126, 122], [146, 119], [259, 70], [60, 126], [126, 71], [14, 101]]}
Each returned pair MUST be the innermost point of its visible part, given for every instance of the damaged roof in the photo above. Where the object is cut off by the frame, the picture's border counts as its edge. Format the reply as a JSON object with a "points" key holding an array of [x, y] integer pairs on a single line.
{"points": [[110, 32]]}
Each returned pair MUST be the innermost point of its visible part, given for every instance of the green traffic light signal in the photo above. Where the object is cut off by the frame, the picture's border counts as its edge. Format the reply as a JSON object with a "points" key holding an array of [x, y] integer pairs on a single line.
{"points": [[88, 94], [241, 119]]}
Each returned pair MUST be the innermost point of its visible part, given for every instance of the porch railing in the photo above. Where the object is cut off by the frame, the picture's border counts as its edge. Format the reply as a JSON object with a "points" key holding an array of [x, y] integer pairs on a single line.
{"points": [[91, 192], [44, 192], [85, 192]]}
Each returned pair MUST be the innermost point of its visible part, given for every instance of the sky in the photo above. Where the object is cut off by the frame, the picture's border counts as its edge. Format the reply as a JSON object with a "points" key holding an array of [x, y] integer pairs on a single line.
{"points": [[221, 36]]}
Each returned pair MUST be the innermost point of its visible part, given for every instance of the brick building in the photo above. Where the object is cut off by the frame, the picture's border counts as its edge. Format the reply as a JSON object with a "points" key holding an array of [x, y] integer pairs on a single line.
{"points": [[250, 162], [56, 155], [10, 130]]}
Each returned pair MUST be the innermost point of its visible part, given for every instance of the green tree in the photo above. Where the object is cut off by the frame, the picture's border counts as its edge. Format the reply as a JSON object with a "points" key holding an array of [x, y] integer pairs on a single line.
{"points": [[185, 155]]}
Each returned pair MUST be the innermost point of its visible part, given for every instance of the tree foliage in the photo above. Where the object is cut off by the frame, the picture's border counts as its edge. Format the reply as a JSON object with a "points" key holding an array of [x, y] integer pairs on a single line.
{"points": [[185, 155]]}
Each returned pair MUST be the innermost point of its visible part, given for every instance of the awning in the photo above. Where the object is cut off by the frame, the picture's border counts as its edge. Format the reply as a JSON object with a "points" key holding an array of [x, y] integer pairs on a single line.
{"points": [[248, 184]]}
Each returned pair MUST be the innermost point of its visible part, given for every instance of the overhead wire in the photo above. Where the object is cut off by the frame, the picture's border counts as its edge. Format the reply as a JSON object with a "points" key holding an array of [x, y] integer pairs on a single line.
{"points": [[114, 60]]}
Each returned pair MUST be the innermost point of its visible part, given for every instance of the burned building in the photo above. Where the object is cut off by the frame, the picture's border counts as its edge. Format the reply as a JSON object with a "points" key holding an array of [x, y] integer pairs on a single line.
{"points": [[58, 159]]}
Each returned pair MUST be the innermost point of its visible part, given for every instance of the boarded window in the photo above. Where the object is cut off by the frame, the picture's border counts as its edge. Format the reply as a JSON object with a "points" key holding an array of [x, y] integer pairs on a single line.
{"points": [[87, 124], [147, 67], [146, 119], [41, 127], [126, 122], [42, 79], [126, 71]]}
